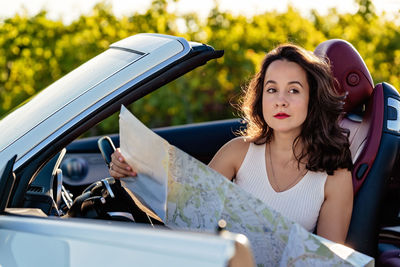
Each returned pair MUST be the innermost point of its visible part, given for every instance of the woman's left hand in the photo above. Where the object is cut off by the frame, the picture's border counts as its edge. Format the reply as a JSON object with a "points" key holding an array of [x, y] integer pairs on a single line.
{"points": [[119, 168]]}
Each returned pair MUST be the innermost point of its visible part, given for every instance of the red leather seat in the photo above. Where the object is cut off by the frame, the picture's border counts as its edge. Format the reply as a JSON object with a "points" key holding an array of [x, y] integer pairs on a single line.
{"points": [[373, 118]]}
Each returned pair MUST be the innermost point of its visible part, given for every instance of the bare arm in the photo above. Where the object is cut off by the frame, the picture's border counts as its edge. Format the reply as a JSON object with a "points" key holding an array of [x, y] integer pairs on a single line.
{"points": [[335, 214], [228, 159]]}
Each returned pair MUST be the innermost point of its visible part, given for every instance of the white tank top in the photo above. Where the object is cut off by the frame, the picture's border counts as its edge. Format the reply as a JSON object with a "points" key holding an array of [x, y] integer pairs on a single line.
{"points": [[300, 203]]}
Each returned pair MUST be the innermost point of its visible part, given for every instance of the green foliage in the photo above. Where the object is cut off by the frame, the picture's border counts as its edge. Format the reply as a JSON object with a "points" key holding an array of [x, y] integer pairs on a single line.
{"points": [[35, 51]]}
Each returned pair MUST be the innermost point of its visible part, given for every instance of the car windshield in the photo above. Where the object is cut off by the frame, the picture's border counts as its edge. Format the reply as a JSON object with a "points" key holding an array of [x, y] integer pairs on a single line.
{"points": [[65, 90]]}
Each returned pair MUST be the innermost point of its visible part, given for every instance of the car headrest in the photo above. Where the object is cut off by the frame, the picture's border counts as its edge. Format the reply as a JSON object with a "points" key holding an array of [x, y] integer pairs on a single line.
{"points": [[349, 70]]}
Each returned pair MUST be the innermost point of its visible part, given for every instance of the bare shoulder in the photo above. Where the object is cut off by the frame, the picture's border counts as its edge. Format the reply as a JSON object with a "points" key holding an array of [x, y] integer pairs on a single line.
{"points": [[237, 144], [340, 176], [235, 149], [230, 156], [340, 181]]}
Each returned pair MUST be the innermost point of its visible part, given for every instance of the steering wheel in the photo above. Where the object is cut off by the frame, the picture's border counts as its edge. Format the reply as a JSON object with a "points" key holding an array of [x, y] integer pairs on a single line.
{"points": [[107, 199]]}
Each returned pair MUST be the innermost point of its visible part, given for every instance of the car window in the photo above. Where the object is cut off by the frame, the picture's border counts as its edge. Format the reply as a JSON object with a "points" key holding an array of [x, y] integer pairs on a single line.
{"points": [[70, 86]]}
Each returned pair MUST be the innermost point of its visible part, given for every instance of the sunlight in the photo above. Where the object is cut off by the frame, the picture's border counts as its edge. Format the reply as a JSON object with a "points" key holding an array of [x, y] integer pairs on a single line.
{"points": [[72, 9]]}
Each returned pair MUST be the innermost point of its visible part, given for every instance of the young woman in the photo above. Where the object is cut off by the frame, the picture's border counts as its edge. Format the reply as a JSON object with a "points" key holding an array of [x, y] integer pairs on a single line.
{"points": [[293, 155]]}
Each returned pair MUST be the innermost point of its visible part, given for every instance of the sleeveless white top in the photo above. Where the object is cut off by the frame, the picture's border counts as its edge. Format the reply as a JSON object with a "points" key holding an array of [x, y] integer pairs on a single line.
{"points": [[300, 203]]}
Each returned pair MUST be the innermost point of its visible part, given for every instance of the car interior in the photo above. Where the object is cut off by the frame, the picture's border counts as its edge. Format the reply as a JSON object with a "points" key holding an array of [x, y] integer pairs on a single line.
{"points": [[372, 118], [371, 115]]}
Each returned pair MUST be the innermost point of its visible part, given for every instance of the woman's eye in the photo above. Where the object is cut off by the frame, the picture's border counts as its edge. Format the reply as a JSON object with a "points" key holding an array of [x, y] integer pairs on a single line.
{"points": [[271, 90], [293, 91]]}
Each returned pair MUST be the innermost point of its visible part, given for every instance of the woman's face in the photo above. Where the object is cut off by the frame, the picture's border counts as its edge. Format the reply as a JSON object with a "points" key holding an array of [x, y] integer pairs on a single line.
{"points": [[285, 97]]}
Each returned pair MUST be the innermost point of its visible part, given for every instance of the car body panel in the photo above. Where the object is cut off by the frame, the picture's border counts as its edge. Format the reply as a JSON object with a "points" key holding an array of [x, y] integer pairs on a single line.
{"points": [[83, 242]]}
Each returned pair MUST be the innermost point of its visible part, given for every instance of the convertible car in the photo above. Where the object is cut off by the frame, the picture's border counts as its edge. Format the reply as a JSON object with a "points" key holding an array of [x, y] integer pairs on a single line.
{"points": [[45, 166]]}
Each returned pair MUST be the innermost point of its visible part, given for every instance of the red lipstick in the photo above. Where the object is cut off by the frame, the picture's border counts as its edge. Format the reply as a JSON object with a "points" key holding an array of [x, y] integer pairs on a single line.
{"points": [[281, 116]]}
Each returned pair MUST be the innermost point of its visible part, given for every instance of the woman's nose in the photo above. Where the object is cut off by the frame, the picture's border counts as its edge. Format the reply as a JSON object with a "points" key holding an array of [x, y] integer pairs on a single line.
{"points": [[281, 101]]}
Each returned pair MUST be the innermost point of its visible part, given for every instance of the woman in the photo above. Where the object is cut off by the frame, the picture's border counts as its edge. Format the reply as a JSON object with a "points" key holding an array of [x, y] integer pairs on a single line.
{"points": [[293, 155]]}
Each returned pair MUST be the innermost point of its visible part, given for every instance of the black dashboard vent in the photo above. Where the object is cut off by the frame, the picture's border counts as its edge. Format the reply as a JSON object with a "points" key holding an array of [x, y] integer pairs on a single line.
{"points": [[36, 189]]}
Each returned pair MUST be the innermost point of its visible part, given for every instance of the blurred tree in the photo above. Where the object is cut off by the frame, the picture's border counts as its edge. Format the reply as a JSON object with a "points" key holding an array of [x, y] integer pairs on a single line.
{"points": [[27, 57], [366, 8], [35, 51]]}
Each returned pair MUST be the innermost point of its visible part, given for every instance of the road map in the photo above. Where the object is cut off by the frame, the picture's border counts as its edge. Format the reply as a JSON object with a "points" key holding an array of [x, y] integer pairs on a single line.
{"points": [[186, 194]]}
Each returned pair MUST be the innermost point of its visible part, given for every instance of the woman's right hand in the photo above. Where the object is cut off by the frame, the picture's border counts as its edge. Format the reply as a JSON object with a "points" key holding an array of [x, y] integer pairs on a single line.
{"points": [[118, 166]]}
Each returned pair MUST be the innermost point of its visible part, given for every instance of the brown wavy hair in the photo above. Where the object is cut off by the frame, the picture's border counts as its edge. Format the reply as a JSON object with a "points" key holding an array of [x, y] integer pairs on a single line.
{"points": [[326, 144]]}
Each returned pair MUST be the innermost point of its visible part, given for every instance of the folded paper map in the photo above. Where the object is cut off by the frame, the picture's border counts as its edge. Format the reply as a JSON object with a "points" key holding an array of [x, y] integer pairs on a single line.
{"points": [[187, 194]]}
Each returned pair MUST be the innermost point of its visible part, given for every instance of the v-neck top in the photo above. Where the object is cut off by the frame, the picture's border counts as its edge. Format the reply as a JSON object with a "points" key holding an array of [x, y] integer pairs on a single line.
{"points": [[300, 203]]}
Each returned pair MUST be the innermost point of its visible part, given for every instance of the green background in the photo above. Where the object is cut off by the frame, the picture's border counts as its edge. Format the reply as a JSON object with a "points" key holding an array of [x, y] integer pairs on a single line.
{"points": [[35, 51]]}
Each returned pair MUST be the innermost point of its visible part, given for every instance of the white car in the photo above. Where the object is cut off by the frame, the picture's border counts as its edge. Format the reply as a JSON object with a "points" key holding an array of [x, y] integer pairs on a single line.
{"points": [[43, 163]]}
